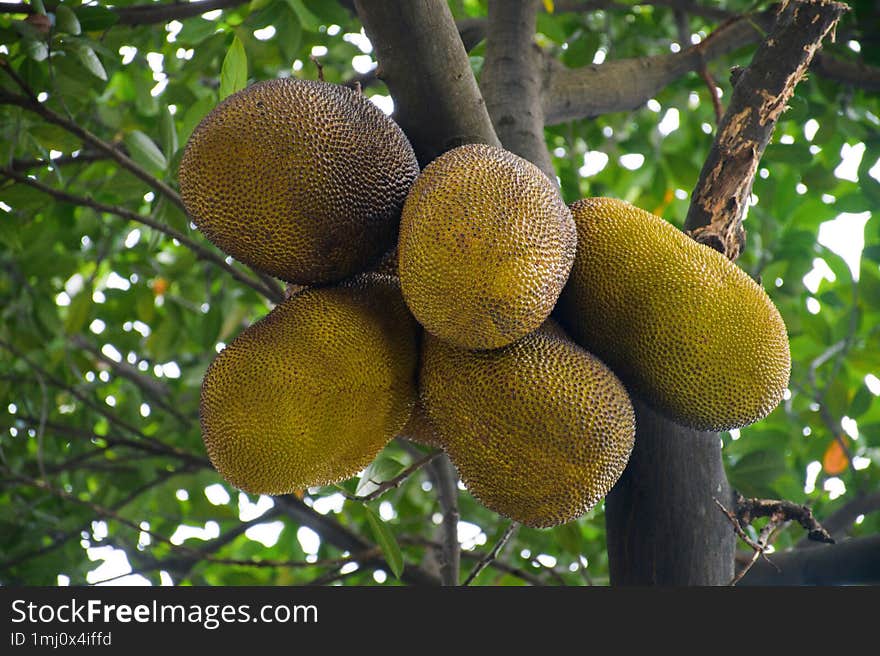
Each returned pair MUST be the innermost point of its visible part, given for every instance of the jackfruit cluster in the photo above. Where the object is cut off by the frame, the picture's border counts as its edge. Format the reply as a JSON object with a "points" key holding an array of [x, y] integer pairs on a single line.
{"points": [[425, 311]]}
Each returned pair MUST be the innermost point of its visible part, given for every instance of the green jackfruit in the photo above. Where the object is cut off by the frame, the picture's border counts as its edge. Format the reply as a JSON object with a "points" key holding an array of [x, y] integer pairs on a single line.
{"points": [[684, 328], [312, 392], [301, 179], [539, 430], [486, 244]]}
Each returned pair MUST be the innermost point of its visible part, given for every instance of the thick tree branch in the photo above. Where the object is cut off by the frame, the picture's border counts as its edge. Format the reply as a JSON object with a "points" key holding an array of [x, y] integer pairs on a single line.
{"points": [[721, 196], [625, 84], [651, 541], [851, 562], [423, 61], [511, 81], [854, 73]]}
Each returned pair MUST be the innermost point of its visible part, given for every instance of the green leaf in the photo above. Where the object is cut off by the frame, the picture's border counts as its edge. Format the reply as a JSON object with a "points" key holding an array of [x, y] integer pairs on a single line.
{"points": [[94, 17], [306, 18], [861, 402], [90, 60], [66, 20], [78, 312], [233, 74], [754, 473], [168, 133], [144, 151], [387, 542], [570, 538], [381, 469]]}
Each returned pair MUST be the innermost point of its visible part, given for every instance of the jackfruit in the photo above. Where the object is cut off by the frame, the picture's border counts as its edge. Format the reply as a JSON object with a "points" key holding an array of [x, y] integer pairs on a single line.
{"points": [[420, 430], [309, 394], [486, 244], [683, 327], [539, 430], [301, 179]]}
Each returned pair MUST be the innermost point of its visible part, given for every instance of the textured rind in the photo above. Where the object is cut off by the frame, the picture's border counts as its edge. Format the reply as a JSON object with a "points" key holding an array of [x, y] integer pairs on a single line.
{"points": [[685, 329], [539, 430], [309, 394], [486, 245], [420, 430], [302, 179]]}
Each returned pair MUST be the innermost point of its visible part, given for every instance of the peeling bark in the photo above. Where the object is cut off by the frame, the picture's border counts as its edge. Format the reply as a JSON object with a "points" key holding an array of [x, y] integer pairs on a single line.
{"points": [[760, 95]]}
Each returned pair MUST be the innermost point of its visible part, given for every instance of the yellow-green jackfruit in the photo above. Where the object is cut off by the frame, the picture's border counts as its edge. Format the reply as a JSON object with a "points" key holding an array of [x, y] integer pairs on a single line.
{"points": [[684, 328], [539, 430], [312, 392], [302, 179], [486, 244]]}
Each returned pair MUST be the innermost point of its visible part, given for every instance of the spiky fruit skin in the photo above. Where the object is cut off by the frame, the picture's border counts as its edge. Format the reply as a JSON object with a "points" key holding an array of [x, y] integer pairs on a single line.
{"points": [[302, 179], [685, 329], [486, 244], [539, 430], [312, 392], [420, 430]]}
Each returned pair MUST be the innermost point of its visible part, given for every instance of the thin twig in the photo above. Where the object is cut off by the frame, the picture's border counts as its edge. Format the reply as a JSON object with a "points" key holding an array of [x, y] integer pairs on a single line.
{"points": [[780, 510], [493, 554], [395, 482], [757, 546], [200, 251]]}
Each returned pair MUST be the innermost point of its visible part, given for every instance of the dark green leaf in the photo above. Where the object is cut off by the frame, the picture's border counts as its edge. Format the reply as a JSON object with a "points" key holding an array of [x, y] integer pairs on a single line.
{"points": [[755, 472], [306, 18], [66, 20], [387, 542]]}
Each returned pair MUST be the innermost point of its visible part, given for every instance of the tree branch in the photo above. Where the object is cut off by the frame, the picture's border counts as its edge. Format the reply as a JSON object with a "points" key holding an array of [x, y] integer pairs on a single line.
{"points": [[445, 479], [721, 196], [851, 562], [343, 538], [844, 517], [200, 251], [487, 560], [748, 510], [423, 61], [511, 81], [625, 84], [384, 486], [31, 104], [857, 74]]}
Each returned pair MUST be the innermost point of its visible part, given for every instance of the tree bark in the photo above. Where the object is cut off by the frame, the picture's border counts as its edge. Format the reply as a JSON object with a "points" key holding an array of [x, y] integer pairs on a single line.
{"points": [[663, 525], [852, 562], [760, 95], [512, 79], [423, 61]]}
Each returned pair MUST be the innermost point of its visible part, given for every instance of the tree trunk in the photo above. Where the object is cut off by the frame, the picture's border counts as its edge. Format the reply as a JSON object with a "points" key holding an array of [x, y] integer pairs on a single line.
{"points": [[664, 527]]}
